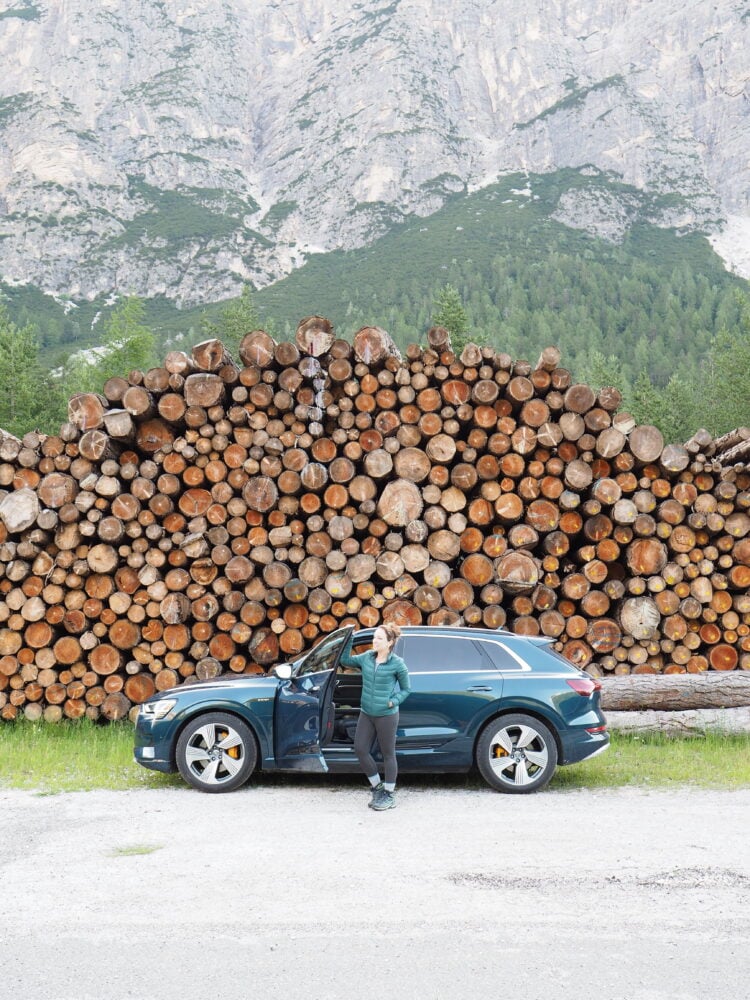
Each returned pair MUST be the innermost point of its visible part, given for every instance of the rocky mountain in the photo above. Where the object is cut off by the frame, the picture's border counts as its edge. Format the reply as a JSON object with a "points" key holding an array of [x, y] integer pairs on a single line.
{"points": [[180, 148]]}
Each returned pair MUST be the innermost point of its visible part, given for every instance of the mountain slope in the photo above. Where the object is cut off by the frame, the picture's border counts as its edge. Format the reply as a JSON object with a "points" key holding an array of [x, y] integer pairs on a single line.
{"points": [[654, 300]]}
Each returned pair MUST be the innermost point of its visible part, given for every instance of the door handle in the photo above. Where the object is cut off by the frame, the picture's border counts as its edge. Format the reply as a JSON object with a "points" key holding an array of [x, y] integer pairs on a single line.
{"points": [[479, 687]]}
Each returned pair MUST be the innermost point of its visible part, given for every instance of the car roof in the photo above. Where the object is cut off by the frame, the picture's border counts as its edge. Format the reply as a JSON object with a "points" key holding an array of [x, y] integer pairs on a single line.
{"points": [[466, 630]]}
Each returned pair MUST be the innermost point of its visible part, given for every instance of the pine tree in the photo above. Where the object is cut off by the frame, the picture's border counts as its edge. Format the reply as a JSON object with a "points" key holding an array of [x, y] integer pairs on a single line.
{"points": [[724, 402], [29, 398], [676, 417], [128, 343], [597, 371], [448, 311], [238, 317], [643, 400]]}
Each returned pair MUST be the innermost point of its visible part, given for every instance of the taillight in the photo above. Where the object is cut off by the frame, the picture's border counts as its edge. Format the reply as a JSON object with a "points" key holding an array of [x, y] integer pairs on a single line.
{"points": [[596, 729], [584, 686]]}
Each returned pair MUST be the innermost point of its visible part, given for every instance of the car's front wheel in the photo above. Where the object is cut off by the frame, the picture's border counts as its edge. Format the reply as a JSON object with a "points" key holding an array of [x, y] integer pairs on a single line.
{"points": [[516, 753], [216, 752]]}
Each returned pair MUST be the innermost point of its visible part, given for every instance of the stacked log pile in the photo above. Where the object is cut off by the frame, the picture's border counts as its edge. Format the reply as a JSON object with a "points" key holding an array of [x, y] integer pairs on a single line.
{"points": [[208, 517], [724, 455]]}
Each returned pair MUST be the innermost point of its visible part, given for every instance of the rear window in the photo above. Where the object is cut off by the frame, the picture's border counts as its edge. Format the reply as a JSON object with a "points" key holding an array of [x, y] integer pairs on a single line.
{"points": [[538, 655], [431, 653], [502, 658]]}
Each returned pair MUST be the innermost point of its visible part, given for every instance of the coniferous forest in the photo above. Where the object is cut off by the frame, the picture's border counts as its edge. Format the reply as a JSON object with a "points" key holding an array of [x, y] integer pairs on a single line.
{"points": [[656, 314]]}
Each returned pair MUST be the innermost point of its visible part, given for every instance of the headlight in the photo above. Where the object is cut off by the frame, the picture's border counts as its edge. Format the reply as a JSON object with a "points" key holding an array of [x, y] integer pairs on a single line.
{"points": [[158, 709]]}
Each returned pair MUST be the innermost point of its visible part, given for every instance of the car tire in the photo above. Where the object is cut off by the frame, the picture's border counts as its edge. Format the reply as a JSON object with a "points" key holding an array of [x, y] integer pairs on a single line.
{"points": [[516, 754], [216, 752]]}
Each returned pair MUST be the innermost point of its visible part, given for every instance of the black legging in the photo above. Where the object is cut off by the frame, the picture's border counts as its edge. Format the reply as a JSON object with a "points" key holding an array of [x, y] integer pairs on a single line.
{"points": [[384, 726]]}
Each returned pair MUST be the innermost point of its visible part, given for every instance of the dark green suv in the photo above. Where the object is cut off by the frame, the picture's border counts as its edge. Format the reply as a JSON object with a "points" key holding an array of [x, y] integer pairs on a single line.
{"points": [[507, 704]]}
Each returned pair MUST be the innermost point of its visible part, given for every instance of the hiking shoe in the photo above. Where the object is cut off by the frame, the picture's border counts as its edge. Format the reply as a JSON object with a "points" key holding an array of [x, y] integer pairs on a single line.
{"points": [[386, 800], [377, 791]]}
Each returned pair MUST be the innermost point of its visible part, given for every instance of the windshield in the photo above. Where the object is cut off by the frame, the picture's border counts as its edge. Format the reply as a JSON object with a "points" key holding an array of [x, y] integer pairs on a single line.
{"points": [[325, 655]]}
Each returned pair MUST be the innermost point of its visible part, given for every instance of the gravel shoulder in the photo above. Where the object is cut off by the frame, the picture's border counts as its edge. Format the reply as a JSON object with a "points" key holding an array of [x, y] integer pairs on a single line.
{"points": [[296, 889]]}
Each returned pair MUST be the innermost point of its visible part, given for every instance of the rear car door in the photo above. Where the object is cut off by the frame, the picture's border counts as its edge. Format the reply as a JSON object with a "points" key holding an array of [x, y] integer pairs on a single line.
{"points": [[303, 714], [452, 680]]}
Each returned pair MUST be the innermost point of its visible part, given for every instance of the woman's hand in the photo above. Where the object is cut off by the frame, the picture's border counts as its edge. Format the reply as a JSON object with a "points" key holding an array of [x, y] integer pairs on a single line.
{"points": [[390, 704]]}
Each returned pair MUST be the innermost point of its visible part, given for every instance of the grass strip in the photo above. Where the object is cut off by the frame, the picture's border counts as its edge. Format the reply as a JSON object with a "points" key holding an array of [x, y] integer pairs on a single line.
{"points": [[714, 760], [83, 756], [73, 756]]}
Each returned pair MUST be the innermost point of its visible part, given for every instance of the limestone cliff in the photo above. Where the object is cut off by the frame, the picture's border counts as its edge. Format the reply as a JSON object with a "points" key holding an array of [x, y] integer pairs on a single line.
{"points": [[181, 147]]}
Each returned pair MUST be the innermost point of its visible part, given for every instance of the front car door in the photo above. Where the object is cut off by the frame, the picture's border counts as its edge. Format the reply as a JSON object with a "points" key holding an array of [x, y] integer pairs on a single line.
{"points": [[302, 716]]}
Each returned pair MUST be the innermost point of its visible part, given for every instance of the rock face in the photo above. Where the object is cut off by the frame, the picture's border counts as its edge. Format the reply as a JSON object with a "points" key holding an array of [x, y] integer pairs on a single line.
{"points": [[182, 148]]}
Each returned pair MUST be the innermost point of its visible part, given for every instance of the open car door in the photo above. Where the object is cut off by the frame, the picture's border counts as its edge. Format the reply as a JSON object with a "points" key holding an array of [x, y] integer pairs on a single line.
{"points": [[303, 717]]}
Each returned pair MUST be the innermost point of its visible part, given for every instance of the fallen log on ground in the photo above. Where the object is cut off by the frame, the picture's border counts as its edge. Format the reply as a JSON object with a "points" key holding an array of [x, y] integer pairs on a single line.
{"points": [[676, 692], [694, 722]]}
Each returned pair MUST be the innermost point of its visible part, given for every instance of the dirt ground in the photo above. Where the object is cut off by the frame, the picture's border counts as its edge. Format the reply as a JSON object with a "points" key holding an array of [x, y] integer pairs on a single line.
{"points": [[294, 889]]}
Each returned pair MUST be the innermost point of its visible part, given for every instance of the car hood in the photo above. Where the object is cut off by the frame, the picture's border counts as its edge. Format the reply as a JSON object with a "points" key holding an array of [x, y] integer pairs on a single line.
{"points": [[251, 683]]}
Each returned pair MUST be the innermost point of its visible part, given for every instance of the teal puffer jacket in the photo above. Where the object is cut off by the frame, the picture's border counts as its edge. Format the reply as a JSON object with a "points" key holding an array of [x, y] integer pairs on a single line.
{"points": [[381, 682]]}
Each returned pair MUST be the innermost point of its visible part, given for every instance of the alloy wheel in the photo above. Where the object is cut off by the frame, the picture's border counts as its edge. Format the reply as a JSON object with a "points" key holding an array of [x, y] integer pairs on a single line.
{"points": [[517, 753], [216, 752]]}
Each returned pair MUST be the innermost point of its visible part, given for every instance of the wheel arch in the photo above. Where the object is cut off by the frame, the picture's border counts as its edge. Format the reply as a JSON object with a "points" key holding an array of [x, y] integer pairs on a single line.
{"points": [[518, 710], [213, 709]]}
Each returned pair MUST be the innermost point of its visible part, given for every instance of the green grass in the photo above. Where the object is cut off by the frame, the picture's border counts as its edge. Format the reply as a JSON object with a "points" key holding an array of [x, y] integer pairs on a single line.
{"points": [[82, 756], [133, 850], [73, 757], [711, 761]]}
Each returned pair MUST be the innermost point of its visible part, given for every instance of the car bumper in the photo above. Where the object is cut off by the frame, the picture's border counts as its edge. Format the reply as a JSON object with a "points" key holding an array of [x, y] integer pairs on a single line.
{"points": [[153, 749], [141, 755], [581, 745]]}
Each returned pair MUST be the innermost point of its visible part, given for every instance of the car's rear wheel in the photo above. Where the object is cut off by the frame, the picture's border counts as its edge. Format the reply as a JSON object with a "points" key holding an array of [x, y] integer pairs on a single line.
{"points": [[517, 753], [216, 752]]}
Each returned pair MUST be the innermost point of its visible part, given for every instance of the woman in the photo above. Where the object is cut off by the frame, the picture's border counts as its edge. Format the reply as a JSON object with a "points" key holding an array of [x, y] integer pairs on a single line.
{"points": [[385, 685]]}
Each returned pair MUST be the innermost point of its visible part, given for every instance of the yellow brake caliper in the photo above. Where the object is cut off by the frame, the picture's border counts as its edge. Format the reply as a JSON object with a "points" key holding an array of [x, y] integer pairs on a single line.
{"points": [[232, 751]]}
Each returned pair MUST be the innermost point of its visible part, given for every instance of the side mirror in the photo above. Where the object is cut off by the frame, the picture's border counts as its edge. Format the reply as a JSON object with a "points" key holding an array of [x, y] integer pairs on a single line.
{"points": [[283, 671]]}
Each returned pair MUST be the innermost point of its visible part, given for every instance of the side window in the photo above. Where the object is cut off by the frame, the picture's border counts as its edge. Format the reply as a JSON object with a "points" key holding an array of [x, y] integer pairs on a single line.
{"points": [[358, 647], [322, 657], [428, 654]]}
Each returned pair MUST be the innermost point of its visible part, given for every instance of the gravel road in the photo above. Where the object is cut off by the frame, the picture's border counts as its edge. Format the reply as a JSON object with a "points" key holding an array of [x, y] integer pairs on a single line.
{"points": [[297, 890]]}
